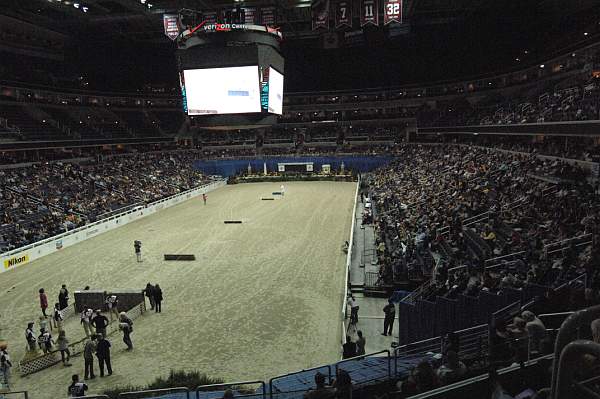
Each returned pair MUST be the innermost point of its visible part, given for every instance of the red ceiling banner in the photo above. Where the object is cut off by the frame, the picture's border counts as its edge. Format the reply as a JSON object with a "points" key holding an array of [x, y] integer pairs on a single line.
{"points": [[320, 14], [343, 13], [392, 11], [369, 12], [171, 26]]}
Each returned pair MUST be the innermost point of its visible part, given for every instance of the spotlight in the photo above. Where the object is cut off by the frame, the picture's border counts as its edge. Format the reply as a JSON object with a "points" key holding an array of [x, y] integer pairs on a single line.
{"points": [[76, 5], [85, 9]]}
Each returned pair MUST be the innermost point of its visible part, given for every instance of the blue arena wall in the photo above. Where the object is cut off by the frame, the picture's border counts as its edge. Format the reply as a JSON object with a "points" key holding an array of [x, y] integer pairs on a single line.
{"points": [[232, 167]]}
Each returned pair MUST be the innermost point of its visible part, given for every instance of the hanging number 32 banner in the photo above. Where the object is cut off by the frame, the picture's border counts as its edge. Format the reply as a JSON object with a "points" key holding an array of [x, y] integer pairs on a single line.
{"points": [[392, 11]]}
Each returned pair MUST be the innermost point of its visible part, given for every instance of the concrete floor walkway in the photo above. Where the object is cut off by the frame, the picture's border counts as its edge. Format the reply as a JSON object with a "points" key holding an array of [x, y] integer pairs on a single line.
{"points": [[370, 315]]}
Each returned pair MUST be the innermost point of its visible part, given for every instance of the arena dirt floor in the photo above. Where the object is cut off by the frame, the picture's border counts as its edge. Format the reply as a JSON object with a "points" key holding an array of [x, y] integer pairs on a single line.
{"points": [[262, 298]]}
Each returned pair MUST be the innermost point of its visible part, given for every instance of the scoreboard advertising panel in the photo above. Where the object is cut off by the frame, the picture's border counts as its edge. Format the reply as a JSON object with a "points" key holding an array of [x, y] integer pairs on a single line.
{"points": [[232, 90]]}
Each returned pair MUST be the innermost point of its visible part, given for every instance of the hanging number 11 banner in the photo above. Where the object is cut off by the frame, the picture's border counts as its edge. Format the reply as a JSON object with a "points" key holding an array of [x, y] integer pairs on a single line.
{"points": [[369, 12]]}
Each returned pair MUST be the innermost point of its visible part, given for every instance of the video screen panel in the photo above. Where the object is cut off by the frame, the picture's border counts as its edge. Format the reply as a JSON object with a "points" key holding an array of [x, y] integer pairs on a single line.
{"points": [[232, 90], [275, 92]]}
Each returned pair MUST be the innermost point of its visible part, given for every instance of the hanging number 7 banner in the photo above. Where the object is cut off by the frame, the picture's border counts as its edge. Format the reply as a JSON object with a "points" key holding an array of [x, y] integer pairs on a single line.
{"points": [[392, 11], [369, 12], [343, 14]]}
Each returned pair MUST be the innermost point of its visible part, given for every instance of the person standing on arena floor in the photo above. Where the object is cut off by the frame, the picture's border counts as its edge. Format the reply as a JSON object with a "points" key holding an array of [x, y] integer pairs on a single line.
{"points": [[30, 337], [204, 198], [5, 365], [282, 190], [43, 302], [58, 317], [126, 325], [45, 340], [353, 309], [88, 357], [390, 315], [349, 348], [63, 347], [112, 303], [158, 297], [63, 297], [360, 344], [86, 320], [76, 389], [103, 354], [149, 292], [137, 247], [100, 322]]}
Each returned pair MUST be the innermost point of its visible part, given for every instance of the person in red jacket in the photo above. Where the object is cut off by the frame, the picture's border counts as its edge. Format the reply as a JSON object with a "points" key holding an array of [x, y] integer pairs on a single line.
{"points": [[43, 302]]}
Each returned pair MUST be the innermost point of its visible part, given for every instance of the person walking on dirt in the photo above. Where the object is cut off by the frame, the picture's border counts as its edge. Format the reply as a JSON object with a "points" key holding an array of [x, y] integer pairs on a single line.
{"points": [[5, 365], [58, 317], [100, 322], [204, 198], [158, 297], [43, 302], [30, 337], [63, 347], [112, 303], [63, 297], [103, 355], [88, 357], [149, 292], [86, 320], [126, 325]]}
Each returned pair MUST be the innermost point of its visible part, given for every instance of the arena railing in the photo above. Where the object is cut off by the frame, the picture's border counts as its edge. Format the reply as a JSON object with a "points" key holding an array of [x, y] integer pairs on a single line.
{"points": [[305, 381], [14, 395], [349, 258], [95, 397], [240, 390], [91, 225], [174, 393], [378, 364], [500, 259]]}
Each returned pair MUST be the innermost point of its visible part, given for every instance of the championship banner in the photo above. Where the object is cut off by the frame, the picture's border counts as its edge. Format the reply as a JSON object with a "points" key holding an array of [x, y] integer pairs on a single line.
{"points": [[210, 17], [392, 11], [343, 14], [268, 16], [369, 12], [250, 14], [320, 14], [170, 25]]}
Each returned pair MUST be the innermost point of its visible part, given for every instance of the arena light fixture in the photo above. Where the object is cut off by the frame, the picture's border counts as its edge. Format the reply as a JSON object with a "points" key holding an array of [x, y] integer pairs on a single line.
{"points": [[84, 9], [76, 5]]}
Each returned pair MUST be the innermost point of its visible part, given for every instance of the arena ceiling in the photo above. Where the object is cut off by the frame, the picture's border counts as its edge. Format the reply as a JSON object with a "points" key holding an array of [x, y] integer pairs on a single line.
{"points": [[141, 19]]}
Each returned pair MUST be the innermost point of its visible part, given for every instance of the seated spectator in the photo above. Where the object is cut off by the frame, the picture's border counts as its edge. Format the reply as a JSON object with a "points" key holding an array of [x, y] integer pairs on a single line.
{"points": [[452, 369], [422, 379], [321, 391], [536, 330]]}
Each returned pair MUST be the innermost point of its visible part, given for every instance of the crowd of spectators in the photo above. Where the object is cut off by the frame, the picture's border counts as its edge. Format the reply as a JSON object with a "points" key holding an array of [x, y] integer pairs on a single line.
{"points": [[43, 200], [427, 202]]}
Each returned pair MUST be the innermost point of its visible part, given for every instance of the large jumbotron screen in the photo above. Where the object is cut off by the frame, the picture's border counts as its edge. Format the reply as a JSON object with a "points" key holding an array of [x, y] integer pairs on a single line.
{"points": [[231, 90], [275, 92]]}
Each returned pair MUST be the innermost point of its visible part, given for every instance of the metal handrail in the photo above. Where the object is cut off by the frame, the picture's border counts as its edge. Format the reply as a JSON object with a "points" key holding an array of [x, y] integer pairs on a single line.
{"points": [[153, 391], [329, 375], [25, 393], [514, 254], [361, 357], [205, 388]]}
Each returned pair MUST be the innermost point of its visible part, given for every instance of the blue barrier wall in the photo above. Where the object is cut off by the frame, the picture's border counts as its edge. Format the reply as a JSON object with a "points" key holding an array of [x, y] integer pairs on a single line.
{"points": [[232, 167]]}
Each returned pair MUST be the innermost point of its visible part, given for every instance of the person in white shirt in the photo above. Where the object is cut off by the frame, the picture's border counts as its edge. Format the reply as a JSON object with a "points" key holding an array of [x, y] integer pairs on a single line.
{"points": [[112, 303], [282, 189], [86, 318]]}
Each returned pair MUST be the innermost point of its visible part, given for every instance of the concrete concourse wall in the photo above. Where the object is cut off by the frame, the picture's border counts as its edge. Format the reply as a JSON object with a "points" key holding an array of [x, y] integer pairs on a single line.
{"points": [[21, 256]]}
